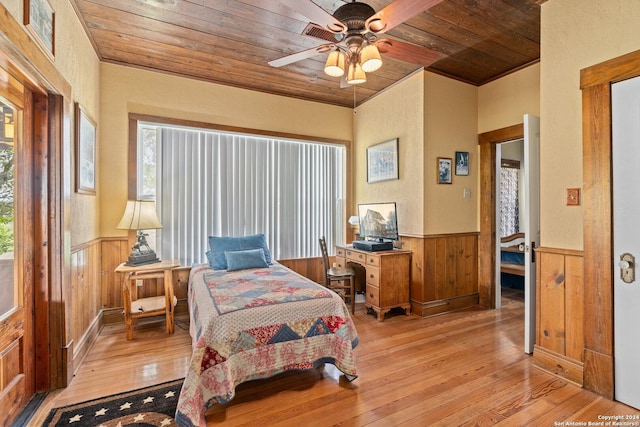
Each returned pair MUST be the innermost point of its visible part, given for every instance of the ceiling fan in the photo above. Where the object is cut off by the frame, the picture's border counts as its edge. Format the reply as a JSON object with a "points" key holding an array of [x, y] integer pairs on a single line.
{"points": [[353, 34]]}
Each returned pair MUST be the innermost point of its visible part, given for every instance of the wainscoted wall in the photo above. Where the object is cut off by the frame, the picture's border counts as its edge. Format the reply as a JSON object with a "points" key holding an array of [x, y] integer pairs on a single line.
{"points": [[444, 277], [86, 303], [96, 290], [560, 313], [444, 272]]}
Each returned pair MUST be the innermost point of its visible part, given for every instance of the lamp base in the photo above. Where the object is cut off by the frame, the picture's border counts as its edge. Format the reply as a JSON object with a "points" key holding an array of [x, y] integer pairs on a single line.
{"points": [[136, 259]]}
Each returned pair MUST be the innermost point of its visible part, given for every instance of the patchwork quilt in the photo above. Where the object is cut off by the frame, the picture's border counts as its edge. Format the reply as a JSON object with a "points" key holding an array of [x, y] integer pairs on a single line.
{"points": [[256, 323]]}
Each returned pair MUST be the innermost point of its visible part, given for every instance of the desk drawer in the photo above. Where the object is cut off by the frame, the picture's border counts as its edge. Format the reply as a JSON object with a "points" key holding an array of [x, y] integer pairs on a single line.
{"points": [[340, 252], [373, 295], [341, 262], [358, 257], [373, 276], [373, 260]]}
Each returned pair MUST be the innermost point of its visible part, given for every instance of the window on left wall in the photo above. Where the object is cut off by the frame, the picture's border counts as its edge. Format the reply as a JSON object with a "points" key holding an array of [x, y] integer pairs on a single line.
{"points": [[212, 183]]}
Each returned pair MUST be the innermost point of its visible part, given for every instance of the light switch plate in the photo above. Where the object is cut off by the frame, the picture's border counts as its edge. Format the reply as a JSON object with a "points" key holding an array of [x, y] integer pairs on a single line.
{"points": [[573, 196]]}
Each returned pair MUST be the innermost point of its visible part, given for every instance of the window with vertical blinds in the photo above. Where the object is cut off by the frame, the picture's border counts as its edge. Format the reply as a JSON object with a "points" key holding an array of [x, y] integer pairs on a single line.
{"points": [[210, 183]]}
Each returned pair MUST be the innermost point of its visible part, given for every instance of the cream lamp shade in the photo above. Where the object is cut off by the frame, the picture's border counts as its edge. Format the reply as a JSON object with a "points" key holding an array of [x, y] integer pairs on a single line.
{"points": [[139, 215], [354, 220], [370, 58], [355, 75], [335, 64]]}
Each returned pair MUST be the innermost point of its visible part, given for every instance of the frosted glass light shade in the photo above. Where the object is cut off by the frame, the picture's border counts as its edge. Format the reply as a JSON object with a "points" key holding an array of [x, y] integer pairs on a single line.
{"points": [[139, 215], [356, 75], [370, 58], [334, 66]]}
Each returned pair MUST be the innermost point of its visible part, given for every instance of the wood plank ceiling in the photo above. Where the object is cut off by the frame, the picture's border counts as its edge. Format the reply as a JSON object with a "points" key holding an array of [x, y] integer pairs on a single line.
{"points": [[230, 42]]}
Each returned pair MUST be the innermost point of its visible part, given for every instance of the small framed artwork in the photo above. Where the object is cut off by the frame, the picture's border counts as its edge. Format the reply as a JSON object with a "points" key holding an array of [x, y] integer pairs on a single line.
{"points": [[85, 150], [462, 163], [382, 161], [444, 170], [39, 18]]}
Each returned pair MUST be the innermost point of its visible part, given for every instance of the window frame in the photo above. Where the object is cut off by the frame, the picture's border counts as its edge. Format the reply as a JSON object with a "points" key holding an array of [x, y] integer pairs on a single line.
{"points": [[133, 164]]}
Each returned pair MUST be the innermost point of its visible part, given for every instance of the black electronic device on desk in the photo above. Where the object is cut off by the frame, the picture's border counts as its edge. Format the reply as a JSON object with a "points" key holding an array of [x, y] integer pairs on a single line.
{"points": [[371, 246], [378, 226]]}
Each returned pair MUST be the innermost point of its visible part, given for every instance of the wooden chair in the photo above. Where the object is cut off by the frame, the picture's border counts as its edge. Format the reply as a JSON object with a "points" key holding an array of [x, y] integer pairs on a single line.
{"points": [[340, 280]]}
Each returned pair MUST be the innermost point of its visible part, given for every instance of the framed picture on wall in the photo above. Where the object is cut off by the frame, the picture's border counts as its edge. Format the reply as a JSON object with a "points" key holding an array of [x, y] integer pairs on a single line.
{"points": [[39, 18], [444, 170], [462, 163], [382, 161], [85, 150]]}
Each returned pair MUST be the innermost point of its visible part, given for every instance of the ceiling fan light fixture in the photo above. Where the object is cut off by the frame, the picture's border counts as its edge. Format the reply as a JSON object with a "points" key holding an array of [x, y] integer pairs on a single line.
{"points": [[356, 76], [334, 66], [370, 58]]}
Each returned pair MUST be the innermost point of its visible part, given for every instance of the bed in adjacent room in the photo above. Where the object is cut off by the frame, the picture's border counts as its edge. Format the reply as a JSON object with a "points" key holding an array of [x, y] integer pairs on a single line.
{"points": [[253, 319], [512, 261]]}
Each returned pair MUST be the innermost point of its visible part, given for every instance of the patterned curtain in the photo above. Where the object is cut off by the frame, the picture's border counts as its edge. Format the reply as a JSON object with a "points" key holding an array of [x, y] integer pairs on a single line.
{"points": [[509, 203]]}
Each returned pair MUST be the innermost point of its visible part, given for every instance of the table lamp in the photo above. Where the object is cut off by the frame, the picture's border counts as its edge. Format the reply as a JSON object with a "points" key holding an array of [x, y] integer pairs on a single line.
{"points": [[355, 220], [140, 215]]}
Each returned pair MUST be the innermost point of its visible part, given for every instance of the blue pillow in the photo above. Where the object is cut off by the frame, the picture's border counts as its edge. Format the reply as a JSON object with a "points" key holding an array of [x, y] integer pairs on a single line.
{"points": [[209, 255], [219, 245], [240, 260]]}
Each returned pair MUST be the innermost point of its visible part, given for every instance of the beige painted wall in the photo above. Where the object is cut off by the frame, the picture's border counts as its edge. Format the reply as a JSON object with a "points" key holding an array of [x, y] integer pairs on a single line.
{"points": [[80, 67], [395, 113], [129, 90], [575, 34], [451, 124], [505, 101], [432, 116]]}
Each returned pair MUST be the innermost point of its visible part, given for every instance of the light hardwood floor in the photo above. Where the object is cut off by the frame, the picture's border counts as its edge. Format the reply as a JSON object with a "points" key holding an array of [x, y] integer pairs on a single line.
{"points": [[462, 368]]}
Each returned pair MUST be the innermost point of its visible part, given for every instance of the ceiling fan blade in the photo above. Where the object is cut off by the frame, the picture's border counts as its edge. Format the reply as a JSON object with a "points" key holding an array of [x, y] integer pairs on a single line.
{"points": [[397, 12], [408, 52], [299, 56], [315, 14]]}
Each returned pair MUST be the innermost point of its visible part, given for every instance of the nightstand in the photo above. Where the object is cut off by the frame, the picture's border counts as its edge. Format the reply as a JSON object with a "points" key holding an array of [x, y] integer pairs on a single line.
{"points": [[134, 307]]}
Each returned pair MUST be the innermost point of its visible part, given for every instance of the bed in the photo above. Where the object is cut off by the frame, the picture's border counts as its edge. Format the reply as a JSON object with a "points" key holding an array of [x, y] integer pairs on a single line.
{"points": [[253, 323], [512, 261]]}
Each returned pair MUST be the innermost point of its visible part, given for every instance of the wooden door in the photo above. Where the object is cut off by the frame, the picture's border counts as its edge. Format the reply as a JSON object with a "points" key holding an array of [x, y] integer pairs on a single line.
{"points": [[17, 360]]}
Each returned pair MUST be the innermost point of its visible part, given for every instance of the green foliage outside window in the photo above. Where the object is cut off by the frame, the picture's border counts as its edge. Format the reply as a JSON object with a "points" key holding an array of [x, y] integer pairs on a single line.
{"points": [[7, 185]]}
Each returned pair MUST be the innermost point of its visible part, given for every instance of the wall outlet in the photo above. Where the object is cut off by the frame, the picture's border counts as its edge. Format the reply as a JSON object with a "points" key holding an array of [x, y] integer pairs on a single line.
{"points": [[139, 283], [466, 193]]}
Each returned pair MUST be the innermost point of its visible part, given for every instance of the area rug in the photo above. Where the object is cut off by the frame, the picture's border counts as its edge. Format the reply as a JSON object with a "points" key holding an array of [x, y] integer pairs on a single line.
{"points": [[149, 406]]}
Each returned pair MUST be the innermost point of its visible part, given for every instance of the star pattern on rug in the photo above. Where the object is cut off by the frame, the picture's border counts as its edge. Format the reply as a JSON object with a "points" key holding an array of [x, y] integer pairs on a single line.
{"points": [[153, 407]]}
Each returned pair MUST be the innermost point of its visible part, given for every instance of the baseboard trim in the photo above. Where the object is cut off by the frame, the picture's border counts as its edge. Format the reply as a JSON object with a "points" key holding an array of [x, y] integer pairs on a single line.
{"points": [[431, 308], [557, 364]]}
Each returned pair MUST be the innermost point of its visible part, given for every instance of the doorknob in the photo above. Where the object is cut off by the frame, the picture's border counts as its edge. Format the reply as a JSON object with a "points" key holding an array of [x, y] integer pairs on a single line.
{"points": [[627, 265]]}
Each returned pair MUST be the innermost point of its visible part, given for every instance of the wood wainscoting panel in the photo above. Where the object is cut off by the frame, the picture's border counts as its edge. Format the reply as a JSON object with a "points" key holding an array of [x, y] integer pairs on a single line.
{"points": [[86, 296], [560, 313], [444, 272], [311, 268], [114, 251]]}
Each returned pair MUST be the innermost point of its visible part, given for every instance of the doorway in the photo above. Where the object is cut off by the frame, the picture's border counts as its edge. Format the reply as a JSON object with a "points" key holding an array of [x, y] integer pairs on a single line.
{"points": [[17, 239], [625, 102], [510, 212], [529, 131], [595, 83]]}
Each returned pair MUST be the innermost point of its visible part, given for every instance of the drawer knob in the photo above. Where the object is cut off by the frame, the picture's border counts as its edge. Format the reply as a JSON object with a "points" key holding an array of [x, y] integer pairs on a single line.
{"points": [[371, 276], [370, 295]]}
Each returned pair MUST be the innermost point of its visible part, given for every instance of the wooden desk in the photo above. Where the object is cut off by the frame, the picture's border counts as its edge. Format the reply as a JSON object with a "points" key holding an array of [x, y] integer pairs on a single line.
{"points": [[134, 308], [387, 277]]}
